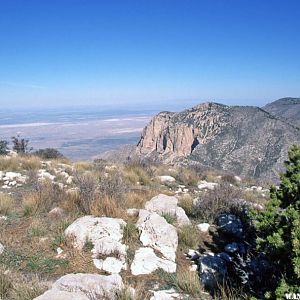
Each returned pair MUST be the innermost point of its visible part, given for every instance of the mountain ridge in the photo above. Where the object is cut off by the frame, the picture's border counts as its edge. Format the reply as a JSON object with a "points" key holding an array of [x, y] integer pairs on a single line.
{"points": [[245, 140]]}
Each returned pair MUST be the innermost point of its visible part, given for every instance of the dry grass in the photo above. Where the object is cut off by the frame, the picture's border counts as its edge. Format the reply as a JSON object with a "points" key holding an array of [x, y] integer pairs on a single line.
{"points": [[9, 163], [26, 162], [18, 287], [134, 173], [43, 199], [107, 206], [6, 204], [189, 237], [188, 177], [186, 202], [82, 166], [30, 162], [183, 281]]}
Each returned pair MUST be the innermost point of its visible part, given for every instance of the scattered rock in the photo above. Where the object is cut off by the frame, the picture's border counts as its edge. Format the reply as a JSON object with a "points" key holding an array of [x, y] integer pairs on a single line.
{"points": [[203, 227], [56, 212], [132, 212], [1, 248], [166, 295], [145, 262], [166, 179], [43, 174], [204, 185]]}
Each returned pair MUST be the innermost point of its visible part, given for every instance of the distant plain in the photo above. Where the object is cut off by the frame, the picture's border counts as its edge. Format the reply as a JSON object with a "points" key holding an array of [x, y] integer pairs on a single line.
{"points": [[80, 134]]}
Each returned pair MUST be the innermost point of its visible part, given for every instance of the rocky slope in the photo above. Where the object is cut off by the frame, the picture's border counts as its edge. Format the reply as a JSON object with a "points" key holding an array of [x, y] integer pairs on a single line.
{"points": [[246, 141], [286, 108]]}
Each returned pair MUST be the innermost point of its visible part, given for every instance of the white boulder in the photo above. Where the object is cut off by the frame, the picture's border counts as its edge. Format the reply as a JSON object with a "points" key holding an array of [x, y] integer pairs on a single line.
{"points": [[111, 265], [145, 262], [166, 179], [163, 204], [204, 185], [93, 229], [166, 295], [80, 285], [157, 233], [203, 227], [62, 295]]}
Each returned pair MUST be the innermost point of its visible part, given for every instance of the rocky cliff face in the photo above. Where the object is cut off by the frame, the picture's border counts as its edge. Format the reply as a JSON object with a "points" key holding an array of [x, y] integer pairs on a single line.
{"points": [[246, 141]]}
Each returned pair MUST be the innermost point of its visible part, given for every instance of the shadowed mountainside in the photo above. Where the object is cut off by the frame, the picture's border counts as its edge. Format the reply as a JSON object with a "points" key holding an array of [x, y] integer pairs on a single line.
{"points": [[286, 108]]}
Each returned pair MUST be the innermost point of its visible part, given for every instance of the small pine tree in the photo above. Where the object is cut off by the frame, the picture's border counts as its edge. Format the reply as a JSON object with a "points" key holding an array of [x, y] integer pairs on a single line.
{"points": [[279, 227], [20, 145], [3, 147]]}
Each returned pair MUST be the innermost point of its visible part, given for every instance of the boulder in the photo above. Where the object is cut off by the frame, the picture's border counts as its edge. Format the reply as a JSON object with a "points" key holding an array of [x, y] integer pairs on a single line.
{"points": [[163, 204], [157, 233], [12, 175], [85, 286], [43, 174], [111, 265], [203, 227], [145, 262], [230, 225], [213, 271], [204, 185], [166, 295], [105, 234], [93, 229], [1, 248], [62, 295], [181, 217], [166, 179]]}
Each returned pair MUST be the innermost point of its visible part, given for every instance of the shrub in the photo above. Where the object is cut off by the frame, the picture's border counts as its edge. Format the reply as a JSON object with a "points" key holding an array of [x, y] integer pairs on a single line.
{"points": [[187, 176], [48, 153], [279, 227], [113, 186], [3, 147], [43, 199], [229, 179], [222, 199], [6, 203], [20, 145], [87, 185], [5, 285]]}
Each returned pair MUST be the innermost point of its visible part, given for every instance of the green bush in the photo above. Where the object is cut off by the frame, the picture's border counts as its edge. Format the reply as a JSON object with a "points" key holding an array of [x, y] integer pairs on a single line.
{"points": [[48, 153], [278, 227], [3, 147]]}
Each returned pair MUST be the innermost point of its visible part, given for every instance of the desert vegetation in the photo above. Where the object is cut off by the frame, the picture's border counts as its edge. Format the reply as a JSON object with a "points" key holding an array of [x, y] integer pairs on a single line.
{"points": [[44, 196]]}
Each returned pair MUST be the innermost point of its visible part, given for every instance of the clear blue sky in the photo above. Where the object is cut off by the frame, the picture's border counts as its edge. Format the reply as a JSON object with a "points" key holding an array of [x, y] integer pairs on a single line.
{"points": [[71, 52]]}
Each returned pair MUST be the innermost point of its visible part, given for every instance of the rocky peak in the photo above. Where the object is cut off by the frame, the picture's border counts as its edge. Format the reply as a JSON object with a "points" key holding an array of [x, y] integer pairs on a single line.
{"points": [[245, 140]]}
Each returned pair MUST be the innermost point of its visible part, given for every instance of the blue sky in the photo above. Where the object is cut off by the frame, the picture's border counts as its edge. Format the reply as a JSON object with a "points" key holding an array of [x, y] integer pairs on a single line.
{"points": [[78, 52]]}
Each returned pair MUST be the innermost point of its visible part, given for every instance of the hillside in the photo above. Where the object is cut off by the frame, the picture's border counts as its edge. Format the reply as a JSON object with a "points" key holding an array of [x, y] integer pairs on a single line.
{"points": [[285, 108], [98, 230], [242, 140]]}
